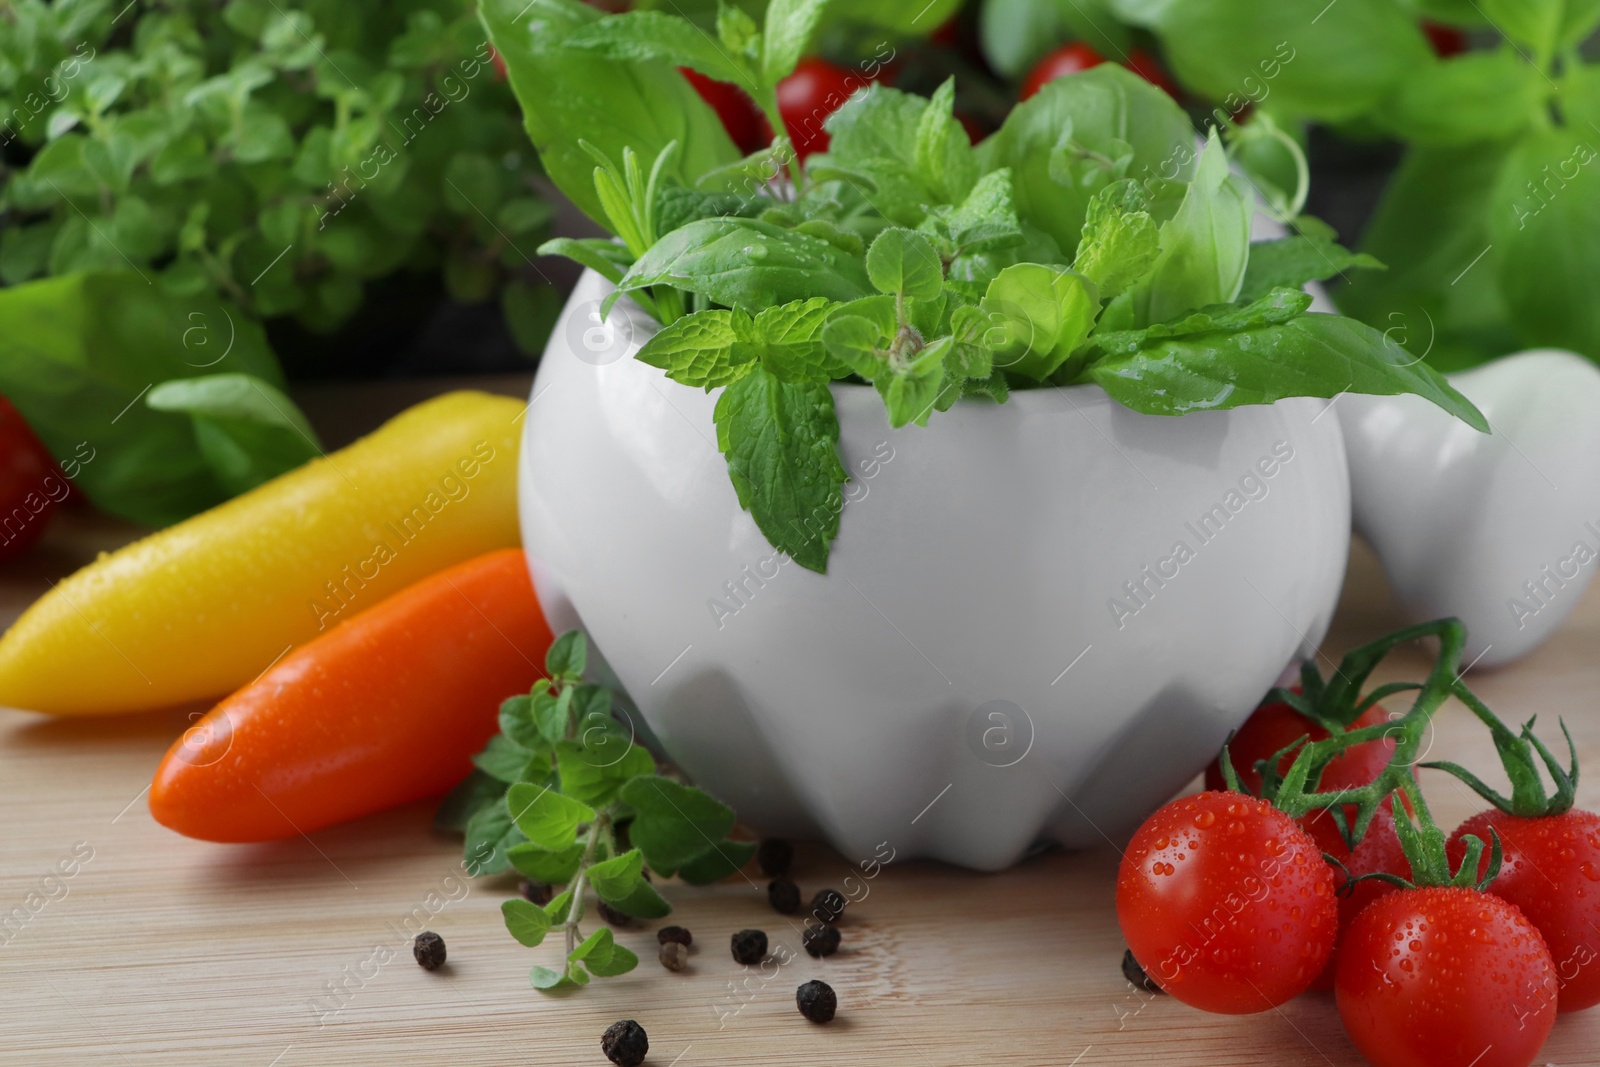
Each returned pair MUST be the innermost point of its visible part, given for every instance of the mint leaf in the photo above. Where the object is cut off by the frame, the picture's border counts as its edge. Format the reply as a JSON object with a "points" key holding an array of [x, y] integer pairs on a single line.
{"points": [[644, 35], [985, 220], [673, 823], [527, 922], [1293, 261], [788, 341], [549, 819], [592, 773], [1204, 247], [717, 862], [943, 150], [746, 263], [543, 865], [1120, 242], [790, 24], [874, 136], [738, 32], [615, 878], [905, 263], [568, 657], [1039, 316], [698, 350], [1312, 355], [781, 442]]}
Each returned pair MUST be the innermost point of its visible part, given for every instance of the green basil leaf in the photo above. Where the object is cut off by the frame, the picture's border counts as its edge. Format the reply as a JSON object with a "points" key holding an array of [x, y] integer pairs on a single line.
{"points": [[919, 18], [527, 922], [79, 352], [717, 862], [548, 818], [1309, 58], [673, 823], [746, 263], [789, 27], [1548, 242], [543, 865], [699, 350], [1096, 116], [1293, 261], [1040, 316], [1120, 240], [905, 262], [592, 253], [1480, 96], [570, 94], [645, 35], [592, 770], [1313, 355], [1204, 247], [1016, 34], [1278, 305], [247, 430], [781, 442], [1534, 23], [615, 878]]}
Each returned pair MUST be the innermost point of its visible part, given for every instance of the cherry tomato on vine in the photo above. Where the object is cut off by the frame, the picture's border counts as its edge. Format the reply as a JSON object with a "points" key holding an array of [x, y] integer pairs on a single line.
{"points": [[1378, 852], [1445, 977], [1226, 902], [1447, 41], [807, 97], [747, 127], [31, 484], [1144, 64], [1550, 869], [1071, 58], [1274, 726]]}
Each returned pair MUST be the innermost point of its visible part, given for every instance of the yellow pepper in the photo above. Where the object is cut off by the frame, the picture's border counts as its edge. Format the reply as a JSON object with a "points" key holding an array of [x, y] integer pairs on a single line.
{"points": [[201, 608]]}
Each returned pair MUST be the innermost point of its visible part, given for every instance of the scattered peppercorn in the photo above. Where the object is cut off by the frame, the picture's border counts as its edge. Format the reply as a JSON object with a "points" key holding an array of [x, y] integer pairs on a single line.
{"points": [[784, 896], [817, 1001], [750, 946], [428, 948], [820, 940], [827, 906], [625, 1043], [1136, 976], [613, 917], [774, 857], [537, 892], [674, 956], [675, 933]]}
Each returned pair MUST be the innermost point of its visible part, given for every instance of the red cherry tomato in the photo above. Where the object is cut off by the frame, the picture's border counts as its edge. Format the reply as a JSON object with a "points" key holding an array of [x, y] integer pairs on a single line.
{"points": [[1378, 852], [1550, 869], [1227, 903], [1447, 41], [1274, 726], [1071, 58], [31, 484], [1445, 978], [807, 97], [948, 34], [747, 127], [1144, 64], [498, 63]]}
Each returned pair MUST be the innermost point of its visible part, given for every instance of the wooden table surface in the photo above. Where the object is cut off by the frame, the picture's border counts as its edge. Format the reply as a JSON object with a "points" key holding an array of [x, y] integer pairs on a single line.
{"points": [[162, 950]]}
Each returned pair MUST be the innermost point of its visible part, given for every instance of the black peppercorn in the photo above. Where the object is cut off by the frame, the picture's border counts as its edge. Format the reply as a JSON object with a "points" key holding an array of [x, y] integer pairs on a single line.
{"points": [[613, 917], [774, 857], [673, 956], [784, 896], [827, 906], [817, 1001], [820, 940], [537, 892], [428, 948], [750, 946], [675, 933], [1136, 976], [625, 1043]]}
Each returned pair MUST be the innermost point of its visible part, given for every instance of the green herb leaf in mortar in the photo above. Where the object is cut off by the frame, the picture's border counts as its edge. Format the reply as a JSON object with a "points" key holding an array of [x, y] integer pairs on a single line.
{"points": [[1085, 242]]}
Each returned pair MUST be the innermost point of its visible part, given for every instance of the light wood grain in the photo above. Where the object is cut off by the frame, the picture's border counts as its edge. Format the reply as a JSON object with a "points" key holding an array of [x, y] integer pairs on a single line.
{"points": [[169, 951]]}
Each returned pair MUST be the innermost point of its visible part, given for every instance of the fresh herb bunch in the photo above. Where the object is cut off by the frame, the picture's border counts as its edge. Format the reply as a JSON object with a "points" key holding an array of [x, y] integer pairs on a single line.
{"points": [[1488, 227], [277, 154], [1086, 241], [565, 795]]}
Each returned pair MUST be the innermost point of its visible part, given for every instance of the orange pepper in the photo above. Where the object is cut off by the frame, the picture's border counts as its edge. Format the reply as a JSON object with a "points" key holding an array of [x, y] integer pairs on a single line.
{"points": [[385, 708]]}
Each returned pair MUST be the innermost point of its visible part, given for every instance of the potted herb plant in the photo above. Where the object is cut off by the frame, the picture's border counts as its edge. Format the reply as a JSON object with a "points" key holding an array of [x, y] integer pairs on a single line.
{"points": [[1092, 511]]}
